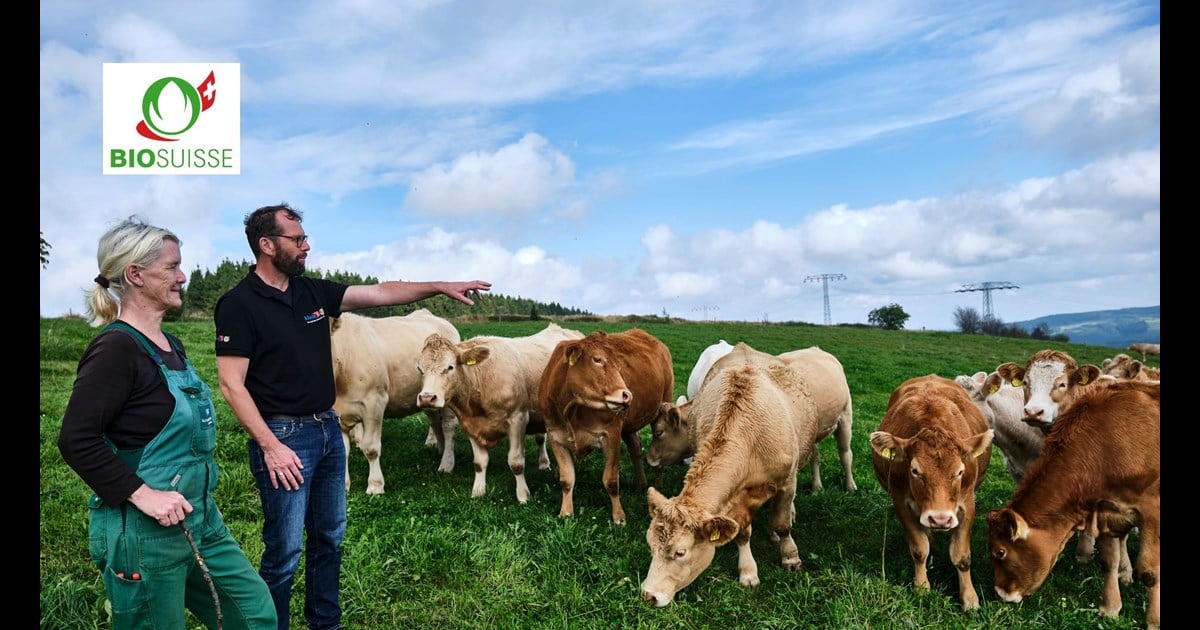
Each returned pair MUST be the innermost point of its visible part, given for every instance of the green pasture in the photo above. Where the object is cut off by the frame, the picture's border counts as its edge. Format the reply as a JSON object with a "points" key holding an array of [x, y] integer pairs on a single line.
{"points": [[427, 555]]}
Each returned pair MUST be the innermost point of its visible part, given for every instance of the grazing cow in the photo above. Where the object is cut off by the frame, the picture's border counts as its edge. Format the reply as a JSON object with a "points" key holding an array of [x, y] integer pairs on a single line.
{"points": [[755, 420], [491, 384], [673, 441], [700, 370], [1099, 473], [1144, 348], [1001, 405], [597, 392], [373, 368], [1046, 378], [1125, 368], [931, 453]]}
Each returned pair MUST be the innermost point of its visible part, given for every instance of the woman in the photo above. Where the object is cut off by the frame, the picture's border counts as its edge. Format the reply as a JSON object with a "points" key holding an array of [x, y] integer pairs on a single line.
{"points": [[139, 429]]}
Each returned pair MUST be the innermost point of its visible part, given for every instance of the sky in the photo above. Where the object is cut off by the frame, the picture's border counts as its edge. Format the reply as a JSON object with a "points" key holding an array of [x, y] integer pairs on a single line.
{"points": [[751, 161]]}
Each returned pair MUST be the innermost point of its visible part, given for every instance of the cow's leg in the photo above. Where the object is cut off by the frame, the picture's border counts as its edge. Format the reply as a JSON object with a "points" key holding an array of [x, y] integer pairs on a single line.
{"points": [[543, 456], [1085, 548], [346, 429], [747, 567], [633, 441], [815, 466], [442, 425], [1148, 563], [516, 452], [612, 472], [960, 555], [1110, 559], [1125, 568], [369, 443], [782, 515], [566, 477], [481, 463], [842, 435], [917, 539]]}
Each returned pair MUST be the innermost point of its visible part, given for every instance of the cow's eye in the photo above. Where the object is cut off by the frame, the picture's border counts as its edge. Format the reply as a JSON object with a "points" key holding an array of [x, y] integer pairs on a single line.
{"points": [[680, 554], [597, 360], [958, 475], [419, 370], [999, 553], [914, 471]]}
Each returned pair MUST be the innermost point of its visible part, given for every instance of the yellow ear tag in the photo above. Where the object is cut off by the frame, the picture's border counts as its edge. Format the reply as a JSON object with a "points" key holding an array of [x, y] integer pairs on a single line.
{"points": [[1019, 532], [977, 453], [1083, 380], [992, 389], [715, 535], [470, 361], [1016, 382], [887, 453], [570, 360]]}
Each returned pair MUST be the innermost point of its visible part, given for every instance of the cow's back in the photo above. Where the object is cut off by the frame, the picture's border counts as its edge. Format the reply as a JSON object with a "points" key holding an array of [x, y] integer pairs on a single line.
{"points": [[825, 378]]}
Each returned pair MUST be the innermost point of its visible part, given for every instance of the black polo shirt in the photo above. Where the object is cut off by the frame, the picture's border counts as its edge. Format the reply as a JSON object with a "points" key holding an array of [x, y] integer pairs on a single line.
{"points": [[286, 337]]}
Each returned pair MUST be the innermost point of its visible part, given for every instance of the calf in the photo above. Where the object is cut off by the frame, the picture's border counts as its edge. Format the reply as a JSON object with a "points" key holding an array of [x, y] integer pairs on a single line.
{"points": [[673, 441], [600, 391], [931, 453], [1099, 473], [1046, 379], [1125, 368], [755, 424], [491, 385]]}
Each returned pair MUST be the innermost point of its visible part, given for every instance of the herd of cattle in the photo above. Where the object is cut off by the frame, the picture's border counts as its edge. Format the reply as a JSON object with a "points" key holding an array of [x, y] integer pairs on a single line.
{"points": [[1080, 441]]}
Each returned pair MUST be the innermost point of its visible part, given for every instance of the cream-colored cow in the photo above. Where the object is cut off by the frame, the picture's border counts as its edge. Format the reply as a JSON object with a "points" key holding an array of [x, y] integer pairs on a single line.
{"points": [[374, 368]]}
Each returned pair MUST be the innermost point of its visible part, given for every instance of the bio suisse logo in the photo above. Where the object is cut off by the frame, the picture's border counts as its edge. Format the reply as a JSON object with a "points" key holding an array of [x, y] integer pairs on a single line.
{"points": [[172, 119]]}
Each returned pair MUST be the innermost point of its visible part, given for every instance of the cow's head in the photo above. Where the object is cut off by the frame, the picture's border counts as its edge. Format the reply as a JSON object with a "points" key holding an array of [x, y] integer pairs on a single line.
{"points": [[1047, 378], [683, 540], [594, 373], [671, 442], [440, 364], [1021, 556], [941, 470]]}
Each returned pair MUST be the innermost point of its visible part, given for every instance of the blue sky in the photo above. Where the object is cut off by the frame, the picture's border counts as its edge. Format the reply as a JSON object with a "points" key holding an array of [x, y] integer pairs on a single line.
{"points": [[707, 160]]}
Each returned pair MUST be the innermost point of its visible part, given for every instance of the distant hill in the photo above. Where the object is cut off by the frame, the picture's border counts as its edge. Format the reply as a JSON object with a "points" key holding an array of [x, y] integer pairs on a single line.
{"points": [[1116, 328]]}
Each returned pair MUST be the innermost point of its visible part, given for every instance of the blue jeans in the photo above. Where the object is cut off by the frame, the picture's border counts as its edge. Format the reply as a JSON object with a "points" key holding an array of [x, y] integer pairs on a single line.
{"points": [[316, 510]]}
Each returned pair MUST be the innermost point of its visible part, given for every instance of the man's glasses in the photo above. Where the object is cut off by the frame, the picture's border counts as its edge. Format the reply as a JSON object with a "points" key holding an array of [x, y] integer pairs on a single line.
{"points": [[298, 240]]}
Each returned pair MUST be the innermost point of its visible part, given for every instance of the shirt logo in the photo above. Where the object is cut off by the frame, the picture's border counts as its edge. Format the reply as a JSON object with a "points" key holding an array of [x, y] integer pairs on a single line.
{"points": [[222, 338], [314, 316]]}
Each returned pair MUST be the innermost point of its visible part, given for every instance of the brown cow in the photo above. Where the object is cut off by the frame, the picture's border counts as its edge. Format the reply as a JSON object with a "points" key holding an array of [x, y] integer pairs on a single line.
{"points": [[597, 392], [491, 384], [756, 422], [1047, 379], [673, 440], [930, 453], [1099, 473], [374, 371]]}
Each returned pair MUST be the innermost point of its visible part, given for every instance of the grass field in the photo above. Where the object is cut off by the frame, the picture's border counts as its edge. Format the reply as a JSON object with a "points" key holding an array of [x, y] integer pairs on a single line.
{"points": [[427, 555]]}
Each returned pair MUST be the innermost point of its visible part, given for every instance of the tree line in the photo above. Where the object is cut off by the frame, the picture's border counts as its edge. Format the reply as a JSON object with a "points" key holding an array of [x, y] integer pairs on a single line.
{"points": [[205, 287]]}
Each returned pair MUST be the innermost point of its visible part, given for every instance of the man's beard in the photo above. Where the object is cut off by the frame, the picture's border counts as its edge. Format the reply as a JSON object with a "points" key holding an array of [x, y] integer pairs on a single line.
{"points": [[293, 266]]}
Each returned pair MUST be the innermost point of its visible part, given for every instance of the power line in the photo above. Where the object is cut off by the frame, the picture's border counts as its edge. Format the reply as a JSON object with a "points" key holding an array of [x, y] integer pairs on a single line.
{"points": [[825, 278], [987, 288]]}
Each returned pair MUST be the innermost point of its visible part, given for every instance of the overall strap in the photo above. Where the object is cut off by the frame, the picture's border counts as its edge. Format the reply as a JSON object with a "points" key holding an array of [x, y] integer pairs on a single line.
{"points": [[151, 349]]}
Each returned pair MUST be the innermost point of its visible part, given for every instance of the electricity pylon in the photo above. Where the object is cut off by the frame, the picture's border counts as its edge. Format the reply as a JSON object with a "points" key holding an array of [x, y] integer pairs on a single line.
{"points": [[987, 288], [825, 278]]}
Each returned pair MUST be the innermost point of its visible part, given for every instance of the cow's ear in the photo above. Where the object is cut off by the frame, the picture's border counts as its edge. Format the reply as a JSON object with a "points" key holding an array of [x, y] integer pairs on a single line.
{"points": [[572, 353], [655, 500], [887, 446], [1135, 367], [1011, 372], [717, 530], [1086, 374], [992, 384], [1015, 526], [478, 354], [978, 444]]}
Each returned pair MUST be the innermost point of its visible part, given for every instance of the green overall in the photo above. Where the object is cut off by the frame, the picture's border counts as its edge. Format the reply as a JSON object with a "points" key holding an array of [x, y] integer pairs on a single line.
{"points": [[150, 571]]}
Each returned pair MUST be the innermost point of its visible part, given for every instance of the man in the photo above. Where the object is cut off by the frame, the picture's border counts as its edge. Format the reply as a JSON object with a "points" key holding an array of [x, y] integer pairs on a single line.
{"points": [[275, 366]]}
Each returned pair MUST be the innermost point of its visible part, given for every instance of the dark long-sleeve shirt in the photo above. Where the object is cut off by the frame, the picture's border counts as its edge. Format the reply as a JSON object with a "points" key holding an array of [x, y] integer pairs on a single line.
{"points": [[119, 393]]}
